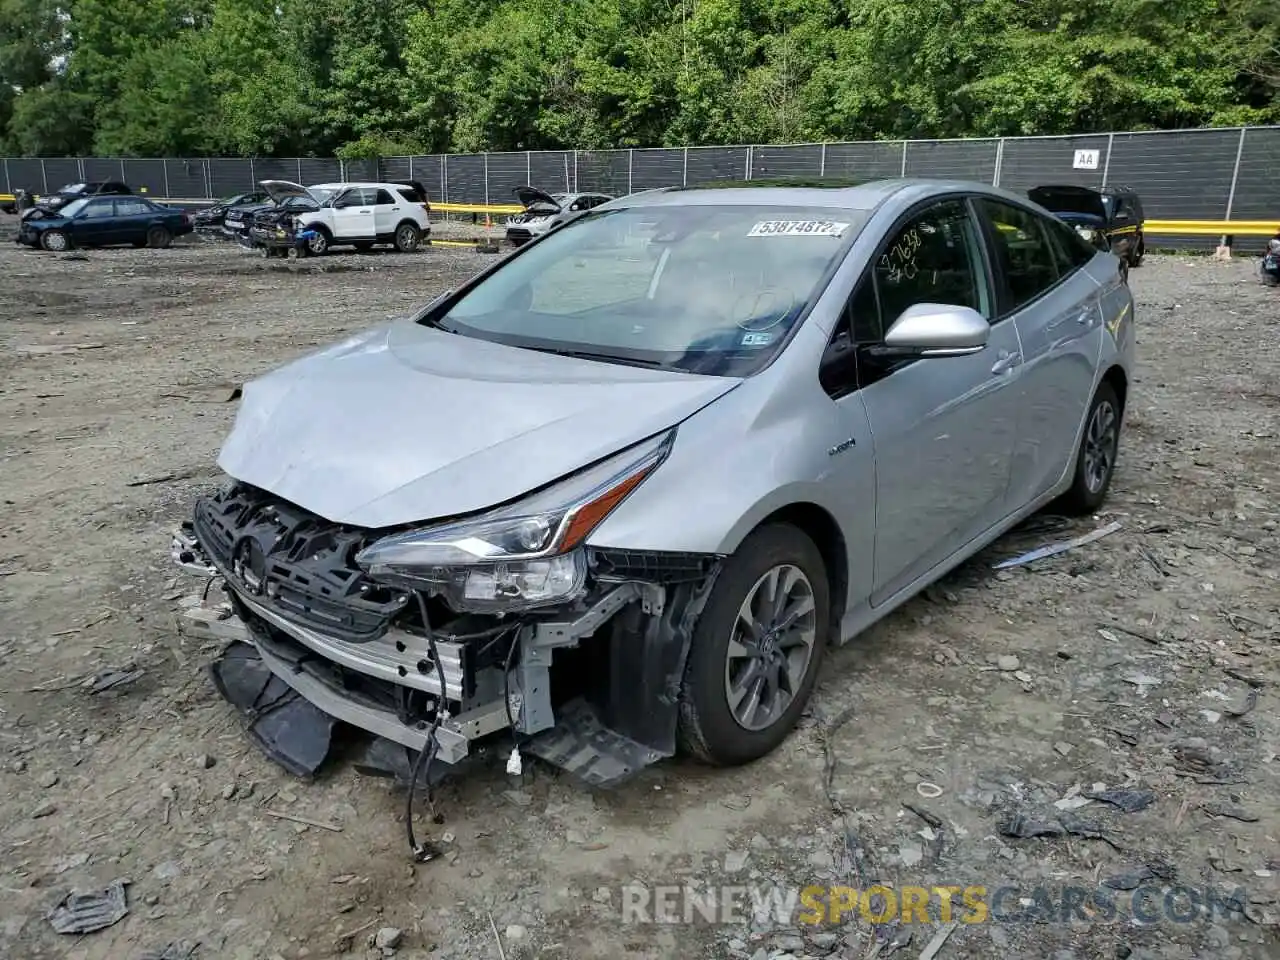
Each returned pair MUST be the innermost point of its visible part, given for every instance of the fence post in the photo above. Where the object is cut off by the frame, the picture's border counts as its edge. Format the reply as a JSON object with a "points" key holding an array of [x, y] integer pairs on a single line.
{"points": [[631, 159], [1235, 173], [995, 179], [528, 167], [486, 178], [822, 162], [410, 166], [80, 167], [444, 176], [8, 187], [904, 158], [123, 178], [164, 165], [252, 179], [575, 171], [44, 176], [208, 180], [684, 176], [750, 157], [1106, 163]]}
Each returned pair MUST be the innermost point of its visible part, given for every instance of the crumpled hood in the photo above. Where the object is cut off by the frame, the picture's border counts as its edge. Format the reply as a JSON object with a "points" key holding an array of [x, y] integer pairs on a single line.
{"points": [[406, 423]]}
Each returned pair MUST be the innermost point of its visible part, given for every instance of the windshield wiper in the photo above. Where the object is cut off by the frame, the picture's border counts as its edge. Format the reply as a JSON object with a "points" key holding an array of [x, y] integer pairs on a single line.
{"points": [[601, 357]]}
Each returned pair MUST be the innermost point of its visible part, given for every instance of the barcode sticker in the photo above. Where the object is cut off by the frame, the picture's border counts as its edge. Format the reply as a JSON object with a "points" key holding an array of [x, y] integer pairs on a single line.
{"points": [[798, 228]]}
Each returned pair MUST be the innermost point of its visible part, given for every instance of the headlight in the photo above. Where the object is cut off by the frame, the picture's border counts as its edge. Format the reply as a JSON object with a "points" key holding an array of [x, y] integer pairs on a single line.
{"points": [[1085, 232], [524, 555]]}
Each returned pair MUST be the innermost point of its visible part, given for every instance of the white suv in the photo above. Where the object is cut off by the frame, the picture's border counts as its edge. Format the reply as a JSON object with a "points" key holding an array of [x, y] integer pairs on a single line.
{"points": [[359, 214]]}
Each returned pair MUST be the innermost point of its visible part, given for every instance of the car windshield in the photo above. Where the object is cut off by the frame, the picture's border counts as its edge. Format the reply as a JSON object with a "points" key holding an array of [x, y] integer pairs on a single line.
{"points": [[72, 188], [702, 289], [322, 195], [75, 206]]}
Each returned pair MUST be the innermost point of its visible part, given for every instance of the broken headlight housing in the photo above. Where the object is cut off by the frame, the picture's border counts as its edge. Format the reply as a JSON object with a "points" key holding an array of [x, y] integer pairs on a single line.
{"points": [[1087, 232], [524, 555]]}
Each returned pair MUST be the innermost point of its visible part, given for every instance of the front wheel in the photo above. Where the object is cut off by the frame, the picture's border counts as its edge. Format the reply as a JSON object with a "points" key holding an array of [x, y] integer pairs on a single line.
{"points": [[318, 243], [55, 241], [159, 238], [756, 648], [1096, 457], [407, 237]]}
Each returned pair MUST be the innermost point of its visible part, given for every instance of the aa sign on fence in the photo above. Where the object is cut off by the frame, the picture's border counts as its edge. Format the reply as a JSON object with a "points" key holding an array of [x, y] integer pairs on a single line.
{"points": [[1086, 160]]}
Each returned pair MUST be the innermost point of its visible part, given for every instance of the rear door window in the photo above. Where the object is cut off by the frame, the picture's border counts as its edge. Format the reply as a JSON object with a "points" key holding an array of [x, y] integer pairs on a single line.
{"points": [[383, 198], [132, 207], [1024, 254]]}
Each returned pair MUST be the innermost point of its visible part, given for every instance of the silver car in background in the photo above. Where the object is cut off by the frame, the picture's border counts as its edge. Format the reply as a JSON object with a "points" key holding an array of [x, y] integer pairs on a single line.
{"points": [[620, 491]]}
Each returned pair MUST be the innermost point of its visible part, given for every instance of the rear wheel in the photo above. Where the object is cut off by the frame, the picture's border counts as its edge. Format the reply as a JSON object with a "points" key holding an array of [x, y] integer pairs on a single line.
{"points": [[55, 241], [1096, 457], [756, 648], [407, 237], [159, 238], [1139, 251]]}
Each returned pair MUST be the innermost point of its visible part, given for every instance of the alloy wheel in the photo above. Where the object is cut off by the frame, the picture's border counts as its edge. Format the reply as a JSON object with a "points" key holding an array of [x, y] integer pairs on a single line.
{"points": [[318, 244], [1100, 446], [406, 239], [770, 648], [55, 241]]}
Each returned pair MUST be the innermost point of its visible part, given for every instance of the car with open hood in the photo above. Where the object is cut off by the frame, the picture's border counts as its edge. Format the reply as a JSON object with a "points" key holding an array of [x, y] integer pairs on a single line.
{"points": [[1110, 218], [103, 221], [359, 215], [619, 492], [49, 204], [545, 211]]}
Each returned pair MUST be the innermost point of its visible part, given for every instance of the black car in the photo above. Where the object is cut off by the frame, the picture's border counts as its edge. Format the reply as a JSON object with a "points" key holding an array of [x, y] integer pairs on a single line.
{"points": [[1110, 218], [53, 202], [102, 221], [214, 217]]}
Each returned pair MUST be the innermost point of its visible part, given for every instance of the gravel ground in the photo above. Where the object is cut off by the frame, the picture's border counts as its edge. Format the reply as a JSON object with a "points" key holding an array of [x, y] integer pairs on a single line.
{"points": [[966, 715]]}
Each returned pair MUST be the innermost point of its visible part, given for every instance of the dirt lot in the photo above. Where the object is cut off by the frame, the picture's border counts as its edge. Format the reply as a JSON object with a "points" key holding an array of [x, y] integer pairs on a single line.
{"points": [[1122, 662]]}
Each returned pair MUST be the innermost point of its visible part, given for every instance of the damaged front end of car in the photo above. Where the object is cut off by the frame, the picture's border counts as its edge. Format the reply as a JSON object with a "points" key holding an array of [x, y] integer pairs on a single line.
{"points": [[445, 634]]}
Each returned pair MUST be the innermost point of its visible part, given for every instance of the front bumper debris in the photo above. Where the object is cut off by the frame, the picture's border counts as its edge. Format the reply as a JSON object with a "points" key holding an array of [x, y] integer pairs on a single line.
{"points": [[292, 678]]}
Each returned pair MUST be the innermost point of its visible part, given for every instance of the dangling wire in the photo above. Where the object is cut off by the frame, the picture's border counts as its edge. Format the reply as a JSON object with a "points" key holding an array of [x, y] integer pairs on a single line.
{"points": [[423, 852]]}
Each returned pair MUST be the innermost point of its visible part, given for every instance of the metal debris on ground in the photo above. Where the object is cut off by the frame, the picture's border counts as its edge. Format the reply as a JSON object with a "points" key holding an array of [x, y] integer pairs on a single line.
{"points": [[1020, 825], [88, 912], [177, 950], [1062, 546], [939, 938], [109, 679], [1229, 811], [1130, 801]]}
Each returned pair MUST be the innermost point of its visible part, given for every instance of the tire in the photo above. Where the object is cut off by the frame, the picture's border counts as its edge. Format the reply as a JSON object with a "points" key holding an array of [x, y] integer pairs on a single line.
{"points": [[1090, 481], [1135, 258], [318, 245], [55, 241], [708, 726], [408, 236], [159, 238]]}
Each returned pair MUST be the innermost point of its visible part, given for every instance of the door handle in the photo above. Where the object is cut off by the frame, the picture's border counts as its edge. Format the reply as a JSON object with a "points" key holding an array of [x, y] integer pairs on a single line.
{"points": [[395, 209], [366, 211], [1006, 362]]}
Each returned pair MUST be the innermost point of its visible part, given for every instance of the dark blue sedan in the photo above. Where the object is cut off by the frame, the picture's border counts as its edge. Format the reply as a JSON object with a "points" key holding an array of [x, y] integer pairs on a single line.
{"points": [[103, 221]]}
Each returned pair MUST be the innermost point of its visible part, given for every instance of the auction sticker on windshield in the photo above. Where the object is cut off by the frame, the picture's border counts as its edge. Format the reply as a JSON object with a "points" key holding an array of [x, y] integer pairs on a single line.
{"points": [[798, 228]]}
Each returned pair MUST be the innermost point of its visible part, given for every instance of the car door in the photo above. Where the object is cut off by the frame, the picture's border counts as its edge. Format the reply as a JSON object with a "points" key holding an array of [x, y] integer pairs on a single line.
{"points": [[133, 218], [95, 225], [942, 428], [1055, 306], [386, 212], [353, 216]]}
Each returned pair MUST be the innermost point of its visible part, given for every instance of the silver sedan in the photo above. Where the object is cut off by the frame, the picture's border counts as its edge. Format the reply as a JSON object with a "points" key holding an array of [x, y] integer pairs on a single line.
{"points": [[620, 491]]}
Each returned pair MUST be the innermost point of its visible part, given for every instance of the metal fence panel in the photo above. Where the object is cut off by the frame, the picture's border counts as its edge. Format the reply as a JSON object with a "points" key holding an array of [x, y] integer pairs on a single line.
{"points": [[271, 169], [186, 179], [953, 159], [1040, 161], [60, 171], [397, 168], [869, 160], [355, 171], [1183, 176], [319, 170], [1257, 194], [794, 160], [549, 170], [466, 178], [147, 176], [714, 164], [26, 174], [656, 167], [605, 171], [506, 172], [227, 177], [102, 168]]}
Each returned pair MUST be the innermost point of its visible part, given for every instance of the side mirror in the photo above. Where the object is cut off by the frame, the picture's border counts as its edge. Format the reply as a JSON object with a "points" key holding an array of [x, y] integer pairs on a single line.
{"points": [[937, 330]]}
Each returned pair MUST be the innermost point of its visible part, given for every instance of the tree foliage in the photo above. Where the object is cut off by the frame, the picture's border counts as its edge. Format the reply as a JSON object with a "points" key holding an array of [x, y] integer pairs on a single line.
{"points": [[368, 77]]}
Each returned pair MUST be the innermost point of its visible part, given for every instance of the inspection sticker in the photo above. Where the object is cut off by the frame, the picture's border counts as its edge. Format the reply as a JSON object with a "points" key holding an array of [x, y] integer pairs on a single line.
{"points": [[798, 228]]}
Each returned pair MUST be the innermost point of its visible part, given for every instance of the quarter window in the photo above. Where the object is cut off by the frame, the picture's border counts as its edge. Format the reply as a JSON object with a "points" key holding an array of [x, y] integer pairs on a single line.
{"points": [[1023, 251], [385, 199], [934, 258], [132, 208]]}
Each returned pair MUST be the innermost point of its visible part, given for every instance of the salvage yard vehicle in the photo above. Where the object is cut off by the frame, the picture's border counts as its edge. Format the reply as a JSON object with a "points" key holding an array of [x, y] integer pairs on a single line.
{"points": [[543, 211], [103, 221], [359, 214], [1110, 218], [619, 491], [49, 204], [214, 217]]}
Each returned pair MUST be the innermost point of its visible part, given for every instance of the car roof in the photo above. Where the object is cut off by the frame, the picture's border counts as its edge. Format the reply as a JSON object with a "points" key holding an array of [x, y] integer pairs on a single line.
{"points": [[387, 185], [866, 196]]}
